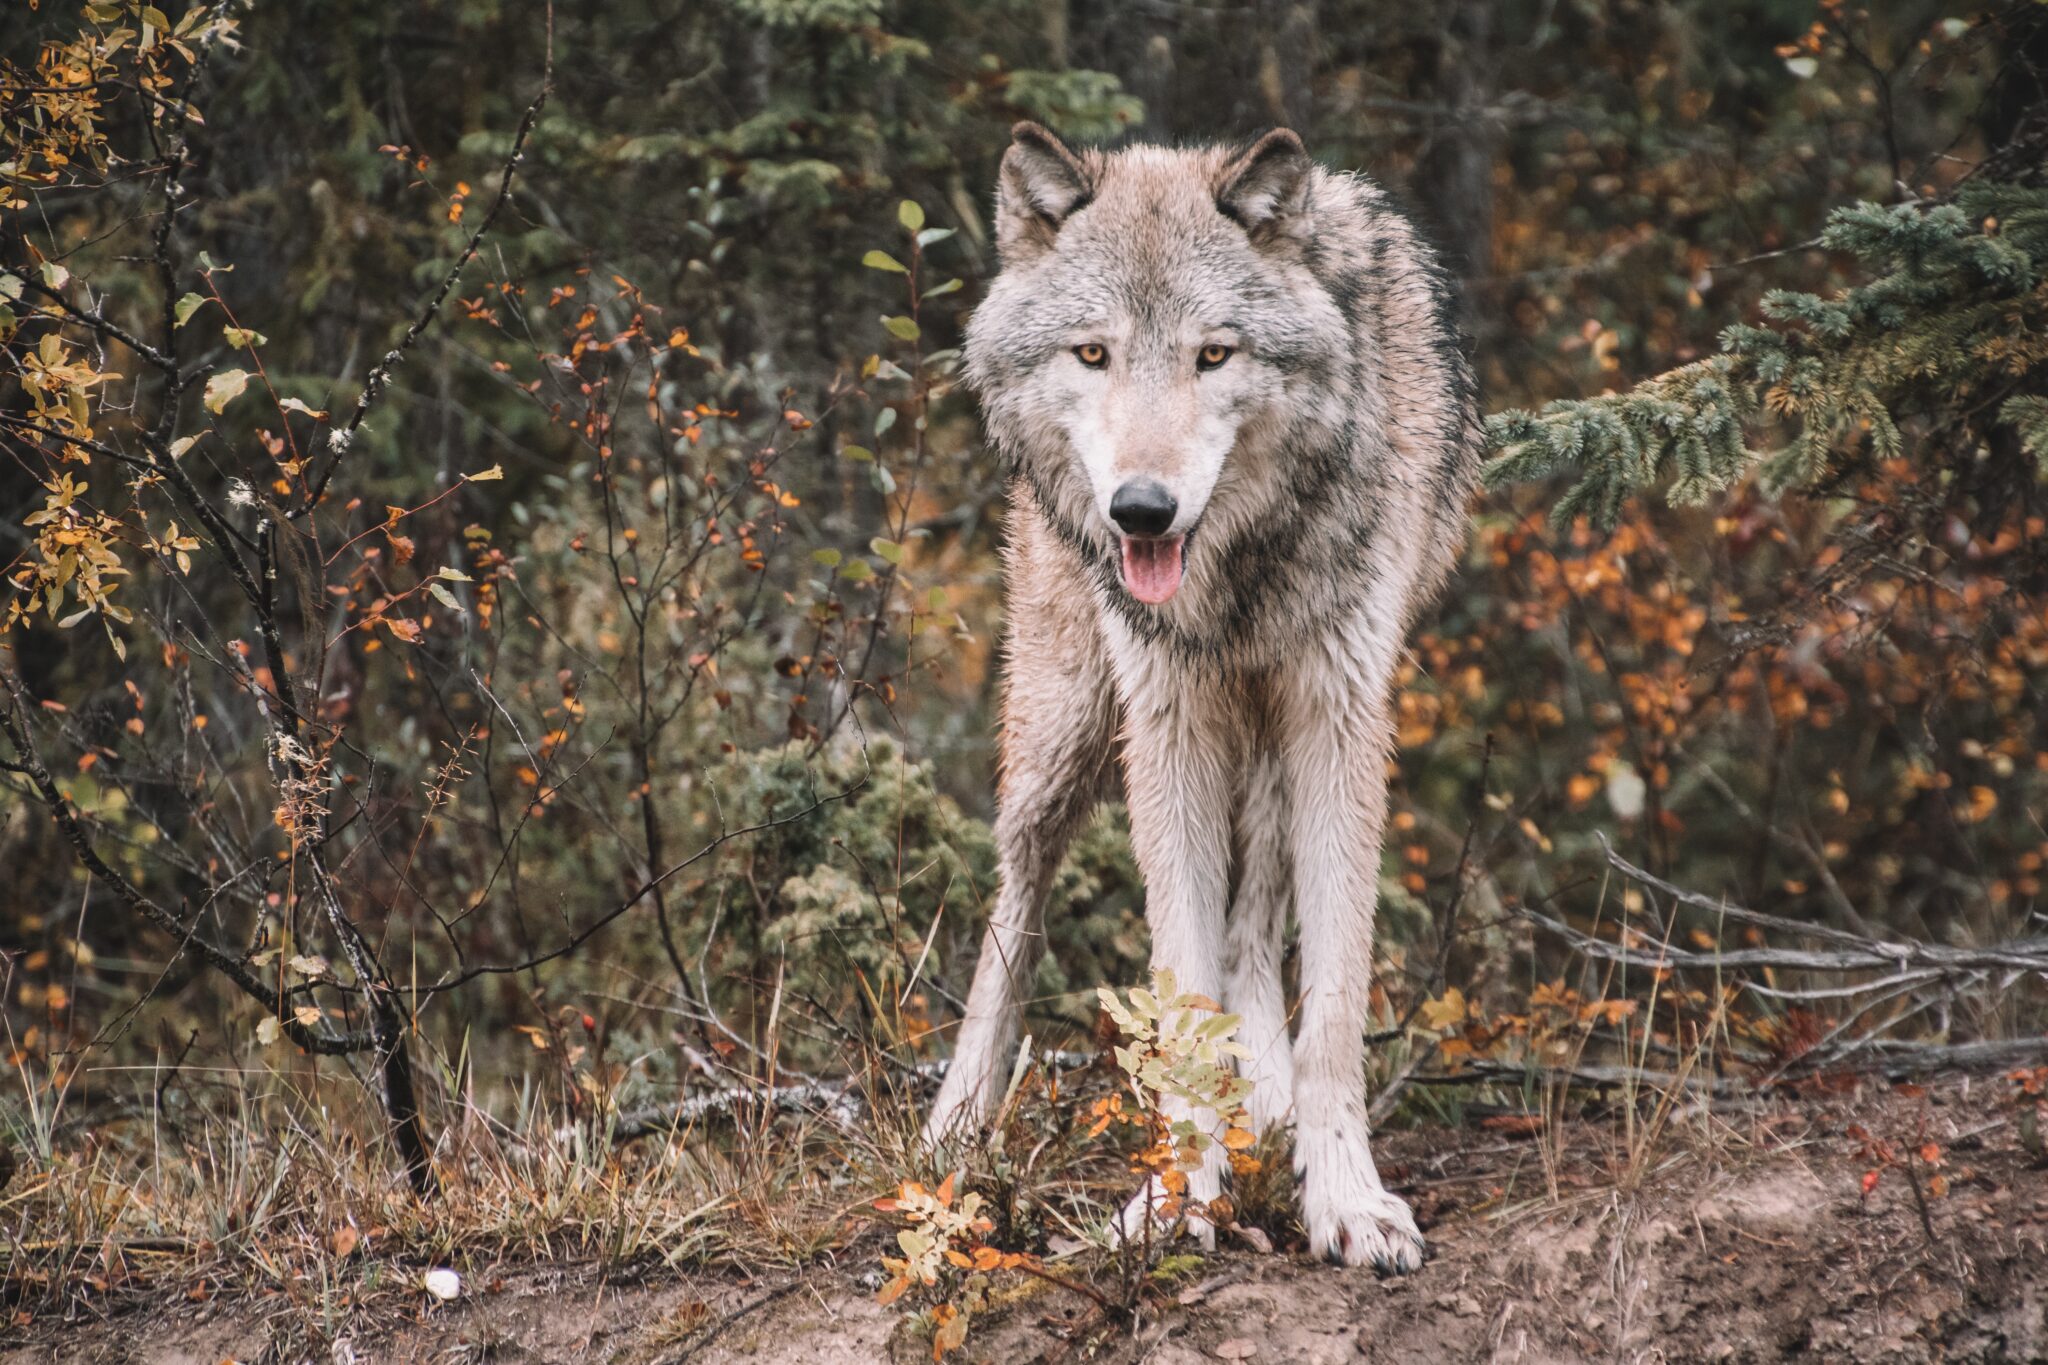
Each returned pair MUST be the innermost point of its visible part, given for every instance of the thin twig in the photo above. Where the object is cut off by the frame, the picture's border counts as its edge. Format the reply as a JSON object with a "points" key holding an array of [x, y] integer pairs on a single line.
{"points": [[379, 379]]}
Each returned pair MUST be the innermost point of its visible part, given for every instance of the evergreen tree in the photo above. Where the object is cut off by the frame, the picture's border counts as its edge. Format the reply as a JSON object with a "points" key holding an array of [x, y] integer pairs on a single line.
{"points": [[1945, 336]]}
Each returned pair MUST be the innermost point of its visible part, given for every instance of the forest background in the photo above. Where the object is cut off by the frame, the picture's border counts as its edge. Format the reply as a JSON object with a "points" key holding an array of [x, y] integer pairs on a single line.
{"points": [[505, 593]]}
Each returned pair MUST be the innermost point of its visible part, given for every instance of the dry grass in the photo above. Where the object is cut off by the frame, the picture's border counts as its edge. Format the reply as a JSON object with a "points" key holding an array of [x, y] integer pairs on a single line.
{"points": [[279, 1185], [272, 1182]]}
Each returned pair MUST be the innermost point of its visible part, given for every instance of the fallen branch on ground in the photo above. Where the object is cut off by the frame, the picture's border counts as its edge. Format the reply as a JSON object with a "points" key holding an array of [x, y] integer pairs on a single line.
{"points": [[1850, 952], [1889, 1058]]}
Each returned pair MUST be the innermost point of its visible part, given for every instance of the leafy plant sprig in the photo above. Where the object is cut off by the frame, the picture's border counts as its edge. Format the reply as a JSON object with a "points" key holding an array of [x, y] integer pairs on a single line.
{"points": [[1180, 1048]]}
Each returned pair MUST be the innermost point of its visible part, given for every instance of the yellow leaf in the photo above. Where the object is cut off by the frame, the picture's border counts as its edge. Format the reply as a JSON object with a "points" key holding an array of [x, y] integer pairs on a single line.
{"points": [[952, 1329], [224, 388], [1447, 1011]]}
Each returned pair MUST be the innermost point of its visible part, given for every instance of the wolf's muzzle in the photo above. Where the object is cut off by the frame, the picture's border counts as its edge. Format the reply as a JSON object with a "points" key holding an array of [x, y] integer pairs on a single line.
{"points": [[1143, 507]]}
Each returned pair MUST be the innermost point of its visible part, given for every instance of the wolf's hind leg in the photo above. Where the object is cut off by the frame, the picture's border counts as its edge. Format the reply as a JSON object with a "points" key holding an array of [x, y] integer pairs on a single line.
{"points": [[1252, 986], [1059, 720]]}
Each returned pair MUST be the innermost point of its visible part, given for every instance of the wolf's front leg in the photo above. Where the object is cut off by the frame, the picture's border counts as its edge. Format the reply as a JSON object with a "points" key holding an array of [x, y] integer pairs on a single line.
{"points": [[1181, 751], [1337, 737], [1059, 718]]}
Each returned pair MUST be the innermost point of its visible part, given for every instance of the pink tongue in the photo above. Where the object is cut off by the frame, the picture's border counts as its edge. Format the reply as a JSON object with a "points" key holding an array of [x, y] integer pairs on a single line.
{"points": [[1152, 568]]}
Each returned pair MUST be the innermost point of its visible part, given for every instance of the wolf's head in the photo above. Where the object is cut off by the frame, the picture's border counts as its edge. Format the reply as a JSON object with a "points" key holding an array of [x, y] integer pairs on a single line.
{"points": [[1136, 355]]}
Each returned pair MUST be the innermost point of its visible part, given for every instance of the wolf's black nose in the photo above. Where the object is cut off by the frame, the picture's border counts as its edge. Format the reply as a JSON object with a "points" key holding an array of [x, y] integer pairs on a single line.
{"points": [[1143, 507]]}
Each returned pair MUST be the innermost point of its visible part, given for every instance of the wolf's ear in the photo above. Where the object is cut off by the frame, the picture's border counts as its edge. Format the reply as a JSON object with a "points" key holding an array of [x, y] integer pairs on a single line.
{"points": [[1041, 184], [1265, 188]]}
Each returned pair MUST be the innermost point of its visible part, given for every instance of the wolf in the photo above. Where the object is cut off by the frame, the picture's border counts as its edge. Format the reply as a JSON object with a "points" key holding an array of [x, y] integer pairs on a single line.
{"points": [[1241, 430]]}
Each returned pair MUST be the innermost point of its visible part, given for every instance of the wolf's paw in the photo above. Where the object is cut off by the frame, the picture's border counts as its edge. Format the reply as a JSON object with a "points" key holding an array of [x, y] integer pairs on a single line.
{"points": [[1361, 1226], [1349, 1216], [1130, 1226]]}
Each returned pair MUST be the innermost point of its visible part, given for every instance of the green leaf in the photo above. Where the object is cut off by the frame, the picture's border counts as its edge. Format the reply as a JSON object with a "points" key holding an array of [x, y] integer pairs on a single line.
{"points": [[884, 419], [910, 215], [828, 557], [224, 388], [882, 260], [948, 287], [857, 571], [55, 276], [444, 597], [10, 286], [887, 549], [243, 338], [860, 453], [933, 236], [183, 310], [902, 328]]}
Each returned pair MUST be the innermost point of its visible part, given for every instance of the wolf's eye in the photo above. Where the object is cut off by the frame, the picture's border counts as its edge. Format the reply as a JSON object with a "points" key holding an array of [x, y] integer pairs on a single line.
{"points": [[1091, 355], [1212, 355]]}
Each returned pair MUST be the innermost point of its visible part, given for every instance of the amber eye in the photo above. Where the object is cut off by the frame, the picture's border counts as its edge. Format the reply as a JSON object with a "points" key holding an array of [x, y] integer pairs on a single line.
{"points": [[1091, 355], [1212, 355]]}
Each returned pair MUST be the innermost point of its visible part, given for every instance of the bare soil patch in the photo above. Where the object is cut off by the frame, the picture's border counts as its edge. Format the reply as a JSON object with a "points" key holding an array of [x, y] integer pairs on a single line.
{"points": [[1746, 1235]]}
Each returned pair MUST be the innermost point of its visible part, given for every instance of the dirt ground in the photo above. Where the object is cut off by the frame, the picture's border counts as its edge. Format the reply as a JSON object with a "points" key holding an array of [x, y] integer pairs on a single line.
{"points": [[1746, 1235]]}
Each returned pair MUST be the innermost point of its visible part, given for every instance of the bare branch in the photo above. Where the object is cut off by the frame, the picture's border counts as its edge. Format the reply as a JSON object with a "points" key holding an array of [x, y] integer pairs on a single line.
{"points": [[1856, 953]]}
